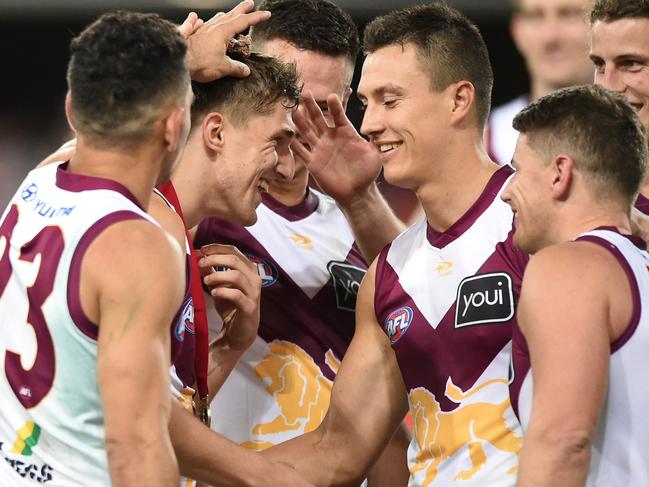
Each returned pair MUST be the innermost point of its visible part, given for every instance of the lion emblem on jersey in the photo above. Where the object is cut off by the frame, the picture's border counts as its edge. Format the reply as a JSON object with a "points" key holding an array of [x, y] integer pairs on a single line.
{"points": [[440, 434], [300, 389]]}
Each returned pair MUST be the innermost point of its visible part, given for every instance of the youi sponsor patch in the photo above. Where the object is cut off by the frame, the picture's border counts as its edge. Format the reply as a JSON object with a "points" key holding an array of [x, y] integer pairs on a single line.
{"points": [[397, 323], [485, 298]]}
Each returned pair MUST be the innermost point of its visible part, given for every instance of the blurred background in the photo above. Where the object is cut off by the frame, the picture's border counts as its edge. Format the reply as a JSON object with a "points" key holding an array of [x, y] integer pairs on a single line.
{"points": [[34, 38]]}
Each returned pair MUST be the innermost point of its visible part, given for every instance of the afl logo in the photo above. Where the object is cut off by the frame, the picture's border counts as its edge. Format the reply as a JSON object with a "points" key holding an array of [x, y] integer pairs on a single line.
{"points": [[397, 323], [185, 321], [266, 270]]}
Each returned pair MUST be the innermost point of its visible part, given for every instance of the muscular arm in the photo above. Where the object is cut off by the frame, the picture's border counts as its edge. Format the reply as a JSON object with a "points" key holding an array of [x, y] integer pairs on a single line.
{"points": [[391, 469], [565, 313], [209, 457], [368, 402], [131, 281]]}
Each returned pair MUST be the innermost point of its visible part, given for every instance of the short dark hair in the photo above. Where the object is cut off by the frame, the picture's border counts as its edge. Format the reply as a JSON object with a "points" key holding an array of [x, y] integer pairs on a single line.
{"points": [[611, 10], [316, 25], [450, 47], [598, 128], [124, 69], [270, 81]]}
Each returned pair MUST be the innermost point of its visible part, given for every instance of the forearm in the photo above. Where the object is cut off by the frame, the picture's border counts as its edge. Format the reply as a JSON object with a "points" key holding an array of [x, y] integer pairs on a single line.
{"points": [[554, 459], [222, 359], [323, 461], [134, 460], [374, 223], [391, 469], [208, 457]]}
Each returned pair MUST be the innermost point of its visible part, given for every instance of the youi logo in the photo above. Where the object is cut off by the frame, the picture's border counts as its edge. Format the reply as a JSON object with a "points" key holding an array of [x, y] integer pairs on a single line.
{"points": [[397, 323]]}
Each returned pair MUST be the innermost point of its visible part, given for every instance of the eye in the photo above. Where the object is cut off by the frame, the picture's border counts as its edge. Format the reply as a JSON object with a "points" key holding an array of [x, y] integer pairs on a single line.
{"points": [[390, 103], [363, 107], [632, 65]]}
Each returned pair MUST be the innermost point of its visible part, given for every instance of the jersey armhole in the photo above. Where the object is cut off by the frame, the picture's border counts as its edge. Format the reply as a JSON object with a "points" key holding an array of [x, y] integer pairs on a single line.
{"points": [[78, 315], [630, 329]]}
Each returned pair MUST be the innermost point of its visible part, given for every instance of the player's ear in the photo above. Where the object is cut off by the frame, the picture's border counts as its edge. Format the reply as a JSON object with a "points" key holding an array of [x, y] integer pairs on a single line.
{"points": [[346, 95], [68, 111], [173, 128], [213, 136], [463, 93], [561, 174]]}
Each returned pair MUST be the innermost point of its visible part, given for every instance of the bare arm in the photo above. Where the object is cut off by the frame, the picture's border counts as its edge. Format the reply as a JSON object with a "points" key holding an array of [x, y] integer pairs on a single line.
{"points": [[209, 457], [368, 402], [346, 166], [565, 313], [131, 282], [391, 469], [236, 293]]}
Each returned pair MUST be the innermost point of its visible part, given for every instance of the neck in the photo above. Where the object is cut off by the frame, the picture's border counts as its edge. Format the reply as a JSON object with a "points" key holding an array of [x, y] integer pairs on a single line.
{"points": [[290, 193], [187, 183], [137, 169], [644, 189], [454, 184], [590, 218]]}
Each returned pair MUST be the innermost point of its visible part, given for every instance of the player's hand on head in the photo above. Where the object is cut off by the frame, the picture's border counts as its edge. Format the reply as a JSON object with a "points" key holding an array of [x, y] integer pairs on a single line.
{"points": [[342, 162], [207, 57], [235, 286], [191, 24], [63, 153]]}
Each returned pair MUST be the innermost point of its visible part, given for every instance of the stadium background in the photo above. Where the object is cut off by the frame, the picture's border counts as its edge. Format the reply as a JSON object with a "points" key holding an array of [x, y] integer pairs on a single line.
{"points": [[34, 38]]}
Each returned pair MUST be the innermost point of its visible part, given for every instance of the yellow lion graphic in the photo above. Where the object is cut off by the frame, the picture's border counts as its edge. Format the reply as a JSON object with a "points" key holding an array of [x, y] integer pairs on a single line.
{"points": [[298, 386], [441, 434]]}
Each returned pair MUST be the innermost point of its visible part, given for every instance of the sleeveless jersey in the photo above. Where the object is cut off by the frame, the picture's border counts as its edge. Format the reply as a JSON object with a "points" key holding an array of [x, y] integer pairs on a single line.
{"points": [[447, 302], [501, 136], [51, 419], [618, 455], [311, 270]]}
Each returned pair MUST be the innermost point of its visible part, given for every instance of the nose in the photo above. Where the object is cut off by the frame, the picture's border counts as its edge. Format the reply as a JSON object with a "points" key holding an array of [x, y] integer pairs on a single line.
{"points": [[372, 123], [284, 166], [611, 79], [506, 193]]}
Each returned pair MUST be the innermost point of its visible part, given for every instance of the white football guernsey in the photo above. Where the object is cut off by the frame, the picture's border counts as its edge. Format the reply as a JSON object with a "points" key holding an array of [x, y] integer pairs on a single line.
{"points": [[51, 419]]}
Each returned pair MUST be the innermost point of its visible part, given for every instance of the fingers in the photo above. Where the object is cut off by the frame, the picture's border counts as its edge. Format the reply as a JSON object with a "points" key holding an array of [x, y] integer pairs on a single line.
{"points": [[187, 27], [314, 113], [241, 8], [235, 68], [304, 127], [337, 111], [238, 24], [301, 151], [216, 256]]}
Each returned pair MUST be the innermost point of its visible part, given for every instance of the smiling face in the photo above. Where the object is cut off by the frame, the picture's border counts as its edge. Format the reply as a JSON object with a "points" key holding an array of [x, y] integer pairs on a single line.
{"points": [[552, 37], [620, 53], [528, 197], [319, 74], [247, 160], [398, 107]]}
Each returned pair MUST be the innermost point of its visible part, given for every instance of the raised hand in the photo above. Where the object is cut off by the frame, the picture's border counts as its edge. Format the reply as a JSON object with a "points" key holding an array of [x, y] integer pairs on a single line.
{"points": [[342, 162], [207, 57], [235, 287]]}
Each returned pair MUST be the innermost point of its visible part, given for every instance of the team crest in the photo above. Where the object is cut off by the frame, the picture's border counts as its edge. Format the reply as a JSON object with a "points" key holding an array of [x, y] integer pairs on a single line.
{"points": [[397, 323], [266, 270], [347, 281]]}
